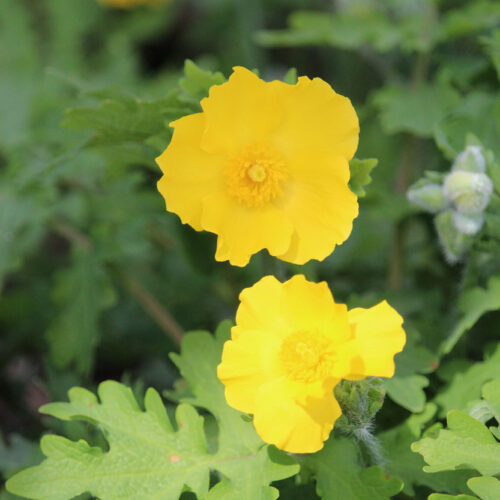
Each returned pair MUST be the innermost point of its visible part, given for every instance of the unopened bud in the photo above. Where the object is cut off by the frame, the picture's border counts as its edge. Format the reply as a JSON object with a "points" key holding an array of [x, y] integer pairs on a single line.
{"points": [[470, 160], [454, 243], [430, 197], [469, 191], [468, 223]]}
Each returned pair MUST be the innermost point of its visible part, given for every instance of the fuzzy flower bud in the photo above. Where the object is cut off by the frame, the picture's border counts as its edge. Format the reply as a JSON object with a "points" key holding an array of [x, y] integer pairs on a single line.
{"points": [[470, 160], [469, 191], [454, 243], [430, 197], [468, 223]]}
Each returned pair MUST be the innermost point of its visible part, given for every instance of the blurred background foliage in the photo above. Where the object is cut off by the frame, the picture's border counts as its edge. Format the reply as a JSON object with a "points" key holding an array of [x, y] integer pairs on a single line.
{"points": [[97, 281]]}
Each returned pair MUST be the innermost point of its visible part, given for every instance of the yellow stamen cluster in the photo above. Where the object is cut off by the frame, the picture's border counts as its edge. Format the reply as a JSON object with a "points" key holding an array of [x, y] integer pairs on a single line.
{"points": [[255, 176], [306, 356]]}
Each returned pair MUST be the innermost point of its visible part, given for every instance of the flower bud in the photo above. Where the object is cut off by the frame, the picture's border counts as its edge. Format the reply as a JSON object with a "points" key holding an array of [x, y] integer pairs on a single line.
{"points": [[470, 160], [454, 243], [469, 191], [468, 223], [430, 197]]}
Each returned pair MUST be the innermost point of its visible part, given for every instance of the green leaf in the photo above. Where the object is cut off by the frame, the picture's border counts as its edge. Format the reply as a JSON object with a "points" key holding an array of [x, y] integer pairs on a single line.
{"points": [[352, 28], [200, 354], [21, 228], [407, 391], [18, 66], [492, 44], [291, 76], [491, 393], [197, 81], [486, 488], [466, 443], [478, 113], [82, 292], [471, 18], [149, 457], [473, 304], [441, 496], [403, 463], [123, 118], [360, 175], [339, 474], [466, 383], [414, 110]]}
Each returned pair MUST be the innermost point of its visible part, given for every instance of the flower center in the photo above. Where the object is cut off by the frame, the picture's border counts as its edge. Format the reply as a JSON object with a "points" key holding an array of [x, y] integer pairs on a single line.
{"points": [[257, 173], [255, 176], [306, 356]]}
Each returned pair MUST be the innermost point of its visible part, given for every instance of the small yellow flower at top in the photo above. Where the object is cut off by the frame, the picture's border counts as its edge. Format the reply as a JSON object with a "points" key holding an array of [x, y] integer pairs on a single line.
{"points": [[127, 4], [265, 165], [291, 345]]}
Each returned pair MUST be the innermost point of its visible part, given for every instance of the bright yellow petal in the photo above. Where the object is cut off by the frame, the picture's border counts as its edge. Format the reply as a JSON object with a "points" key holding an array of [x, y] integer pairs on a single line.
{"points": [[189, 173], [293, 306], [309, 306], [378, 336], [244, 230], [260, 308], [320, 206], [315, 117], [247, 363], [296, 426], [240, 112]]}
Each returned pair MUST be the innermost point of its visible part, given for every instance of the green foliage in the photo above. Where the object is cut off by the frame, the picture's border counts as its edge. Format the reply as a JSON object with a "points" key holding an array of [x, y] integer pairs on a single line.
{"points": [[82, 292], [465, 443], [124, 118], [465, 384], [415, 110], [439, 496], [197, 82], [472, 305], [339, 474], [403, 463], [352, 27], [17, 454], [478, 113], [149, 455], [486, 488], [492, 44], [360, 175], [408, 391], [97, 281]]}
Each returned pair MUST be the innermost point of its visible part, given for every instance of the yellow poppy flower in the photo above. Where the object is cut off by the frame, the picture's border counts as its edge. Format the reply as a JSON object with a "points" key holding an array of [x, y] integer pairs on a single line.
{"points": [[265, 165], [291, 345]]}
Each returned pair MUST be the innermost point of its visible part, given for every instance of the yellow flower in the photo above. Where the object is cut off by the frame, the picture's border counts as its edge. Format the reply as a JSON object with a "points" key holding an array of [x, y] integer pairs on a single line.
{"points": [[291, 345], [265, 165]]}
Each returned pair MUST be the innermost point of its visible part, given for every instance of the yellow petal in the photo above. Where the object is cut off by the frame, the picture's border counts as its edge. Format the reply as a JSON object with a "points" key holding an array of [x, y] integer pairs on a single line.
{"points": [[189, 173], [244, 230], [309, 306], [378, 336], [292, 422], [319, 204], [315, 117], [240, 112], [247, 363], [296, 305], [260, 308]]}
